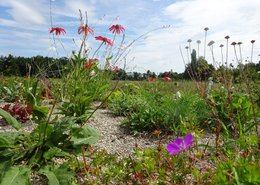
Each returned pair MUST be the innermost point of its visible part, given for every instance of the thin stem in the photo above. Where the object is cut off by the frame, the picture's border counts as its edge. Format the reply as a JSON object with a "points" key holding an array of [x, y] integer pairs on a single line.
{"points": [[240, 53], [205, 40], [97, 49], [222, 57], [213, 58], [51, 21], [227, 55], [235, 51], [252, 49]]}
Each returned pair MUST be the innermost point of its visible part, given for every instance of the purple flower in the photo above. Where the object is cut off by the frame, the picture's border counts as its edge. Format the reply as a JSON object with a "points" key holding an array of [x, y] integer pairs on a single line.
{"points": [[179, 144]]}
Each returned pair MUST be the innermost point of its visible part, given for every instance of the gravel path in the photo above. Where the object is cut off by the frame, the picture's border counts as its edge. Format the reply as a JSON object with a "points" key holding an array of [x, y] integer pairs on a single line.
{"points": [[115, 139]]}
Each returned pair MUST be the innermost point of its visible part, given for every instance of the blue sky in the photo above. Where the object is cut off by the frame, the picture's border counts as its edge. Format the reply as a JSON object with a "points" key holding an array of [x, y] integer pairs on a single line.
{"points": [[25, 25]]}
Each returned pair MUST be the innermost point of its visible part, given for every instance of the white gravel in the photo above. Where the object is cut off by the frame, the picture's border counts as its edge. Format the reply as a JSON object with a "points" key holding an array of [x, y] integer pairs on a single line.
{"points": [[113, 138]]}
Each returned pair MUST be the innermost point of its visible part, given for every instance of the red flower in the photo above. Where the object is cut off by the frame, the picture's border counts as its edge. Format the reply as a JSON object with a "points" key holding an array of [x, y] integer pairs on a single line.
{"points": [[104, 39], [57, 30], [90, 63], [167, 79], [117, 28], [85, 29], [152, 79]]}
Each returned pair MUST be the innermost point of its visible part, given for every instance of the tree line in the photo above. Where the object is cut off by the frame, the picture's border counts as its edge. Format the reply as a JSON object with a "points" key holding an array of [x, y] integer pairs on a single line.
{"points": [[198, 69]]}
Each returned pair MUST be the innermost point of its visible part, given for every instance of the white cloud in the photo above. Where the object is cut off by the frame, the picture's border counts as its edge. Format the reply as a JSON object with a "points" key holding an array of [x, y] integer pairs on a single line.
{"points": [[239, 19], [26, 12]]}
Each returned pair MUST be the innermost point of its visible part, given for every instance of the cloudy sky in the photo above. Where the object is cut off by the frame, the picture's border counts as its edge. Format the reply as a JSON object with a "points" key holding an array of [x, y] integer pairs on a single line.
{"points": [[25, 25]]}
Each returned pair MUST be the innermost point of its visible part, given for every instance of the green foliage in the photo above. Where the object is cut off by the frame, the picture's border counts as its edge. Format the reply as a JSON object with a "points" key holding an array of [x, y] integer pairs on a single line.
{"points": [[16, 175], [234, 109], [151, 166], [80, 88], [23, 66], [57, 175], [144, 114], [240, 169], [38, 149], [10, 119]]}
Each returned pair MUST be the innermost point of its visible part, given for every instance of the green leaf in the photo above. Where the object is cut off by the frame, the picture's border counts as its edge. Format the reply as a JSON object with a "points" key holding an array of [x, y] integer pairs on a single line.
{"points": [[10, 119], [16, 176], [63, 174], [40, 112], [8, 91], [84, 135], [53, 180], [4, 143], [4, 166], [55, 152]]}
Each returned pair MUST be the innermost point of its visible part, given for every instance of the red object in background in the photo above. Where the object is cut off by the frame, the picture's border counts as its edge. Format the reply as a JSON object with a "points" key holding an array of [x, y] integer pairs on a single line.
{"points": [[152, 79], [167, 79], [19, 111]]}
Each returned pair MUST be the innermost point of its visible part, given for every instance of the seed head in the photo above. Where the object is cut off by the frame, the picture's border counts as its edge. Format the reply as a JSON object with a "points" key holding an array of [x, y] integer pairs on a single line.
{"points": [[227, 37], [211, 43]]}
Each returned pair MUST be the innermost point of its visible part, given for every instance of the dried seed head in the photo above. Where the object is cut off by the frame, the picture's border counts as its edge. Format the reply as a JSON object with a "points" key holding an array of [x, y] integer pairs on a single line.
{"points": [[227, 37], [239, 43], [187, 47], [211, 43], [206, 29], [198, 41], [221, 45], [233, 43], [252, 41], [189, 40]]}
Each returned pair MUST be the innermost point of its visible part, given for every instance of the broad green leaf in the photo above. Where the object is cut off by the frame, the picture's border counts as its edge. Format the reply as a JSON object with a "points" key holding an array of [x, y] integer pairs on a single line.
{"points": [[4, 166], [84, 135], [55, 152], [16, 176], [40, 112], [7, 138], [10, 119], [52, 178], [63, 174]]}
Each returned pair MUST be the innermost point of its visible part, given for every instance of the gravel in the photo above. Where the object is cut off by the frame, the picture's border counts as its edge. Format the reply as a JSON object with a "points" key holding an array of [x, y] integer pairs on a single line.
{"points": [[115, 139]]}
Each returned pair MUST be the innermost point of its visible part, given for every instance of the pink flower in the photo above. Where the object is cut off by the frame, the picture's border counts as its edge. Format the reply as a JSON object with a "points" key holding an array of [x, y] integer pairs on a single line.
{"points": [[57, 30], [179, 144], [85, 29], [117, 28], [105, 40]]}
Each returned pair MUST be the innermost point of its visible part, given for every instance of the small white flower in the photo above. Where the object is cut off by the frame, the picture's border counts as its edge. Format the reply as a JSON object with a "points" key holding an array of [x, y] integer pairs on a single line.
{"points": [[92, 73], [178, 94]]}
